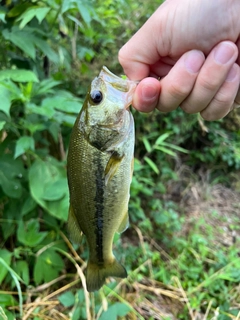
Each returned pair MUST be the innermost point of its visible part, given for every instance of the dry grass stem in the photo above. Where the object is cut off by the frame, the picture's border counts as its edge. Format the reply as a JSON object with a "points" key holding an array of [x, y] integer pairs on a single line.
{"points": [[74, 252], [47, 285], [184, 295], [37, 304], [208, 309], [86, 293], [141, 239], [29, 312], [60, 290], [12, 293]]}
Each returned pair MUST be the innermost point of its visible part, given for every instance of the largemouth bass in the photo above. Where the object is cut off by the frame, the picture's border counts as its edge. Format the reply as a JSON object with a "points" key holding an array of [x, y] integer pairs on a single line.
{"points": [[99, 169]]}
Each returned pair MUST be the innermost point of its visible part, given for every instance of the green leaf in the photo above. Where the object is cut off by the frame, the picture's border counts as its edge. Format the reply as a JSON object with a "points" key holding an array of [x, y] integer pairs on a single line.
{"points": [[147, 144], [74, 19], [47, 50], [67, 299], [34, 127], [13, 88], [5, 100], [175, 147], [84, 10], [18, 9], [34, 11], [65, 119], [11, 213], [23, 144], [85, 53], [28, 233], [7, 300], [66, 5], [5, 314], [77, 313], [18, 75], [21, 268], [18, 37], [41, 175], [55, 190], [152, 165], [16, 278], [2, 124], [54, 129], [2, 16], [28, 206], [117, 310], [11, 172], [6, 256], [45, 110], [47, 266], [64, 102], [45, 86], [166, 150], [161, 138]]}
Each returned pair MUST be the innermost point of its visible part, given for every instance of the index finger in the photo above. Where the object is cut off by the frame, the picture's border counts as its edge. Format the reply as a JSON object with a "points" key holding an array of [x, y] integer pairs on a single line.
{"points": [[140, 51]]}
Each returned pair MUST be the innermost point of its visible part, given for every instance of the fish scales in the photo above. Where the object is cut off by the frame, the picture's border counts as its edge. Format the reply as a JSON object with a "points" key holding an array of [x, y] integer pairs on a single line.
{"points": [[99, 170]]}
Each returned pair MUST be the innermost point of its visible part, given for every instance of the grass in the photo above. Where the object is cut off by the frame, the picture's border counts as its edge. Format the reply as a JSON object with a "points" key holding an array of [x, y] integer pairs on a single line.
{"points": [[145, 297], [191, 288], [196, 278]]}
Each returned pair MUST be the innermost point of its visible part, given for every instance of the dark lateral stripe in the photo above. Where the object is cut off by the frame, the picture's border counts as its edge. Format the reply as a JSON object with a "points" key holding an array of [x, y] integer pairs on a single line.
{"points": [[99, 206]]}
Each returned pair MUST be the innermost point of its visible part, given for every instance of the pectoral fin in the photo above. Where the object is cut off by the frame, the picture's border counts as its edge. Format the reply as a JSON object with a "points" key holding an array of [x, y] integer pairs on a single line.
{"points": [[112, 166], [124, 224], [73, 226]]}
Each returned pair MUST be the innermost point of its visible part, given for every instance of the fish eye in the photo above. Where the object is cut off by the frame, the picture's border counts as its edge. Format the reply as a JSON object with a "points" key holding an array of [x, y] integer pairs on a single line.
{"points": [[96, 96]]}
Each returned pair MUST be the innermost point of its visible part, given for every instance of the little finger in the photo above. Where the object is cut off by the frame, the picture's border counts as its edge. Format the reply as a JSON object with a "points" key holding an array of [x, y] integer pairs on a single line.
{"points": [[223, 101]]}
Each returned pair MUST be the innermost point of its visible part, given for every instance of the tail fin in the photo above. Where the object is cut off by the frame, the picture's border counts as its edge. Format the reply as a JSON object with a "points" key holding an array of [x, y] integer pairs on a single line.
{"points": [[96, 275]]}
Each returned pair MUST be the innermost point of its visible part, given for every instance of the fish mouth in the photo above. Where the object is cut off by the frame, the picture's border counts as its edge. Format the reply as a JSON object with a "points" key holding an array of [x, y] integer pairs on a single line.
{"points": [[125, 86], [132, 87]]}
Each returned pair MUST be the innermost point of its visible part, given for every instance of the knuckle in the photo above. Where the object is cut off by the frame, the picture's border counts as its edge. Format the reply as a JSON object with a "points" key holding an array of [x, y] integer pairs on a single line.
{"points": [[177, 90], [222, 100], [166, 108], [207, 116], [225, 96], [209, 84], [212, 114], [187, 107]]}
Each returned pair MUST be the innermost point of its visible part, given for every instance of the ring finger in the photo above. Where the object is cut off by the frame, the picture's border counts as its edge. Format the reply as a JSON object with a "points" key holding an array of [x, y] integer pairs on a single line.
{"points": [[223, 101]]}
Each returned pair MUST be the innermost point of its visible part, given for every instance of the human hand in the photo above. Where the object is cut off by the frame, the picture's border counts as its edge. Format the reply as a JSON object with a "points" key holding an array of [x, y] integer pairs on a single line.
{"points": [[193, 46]]}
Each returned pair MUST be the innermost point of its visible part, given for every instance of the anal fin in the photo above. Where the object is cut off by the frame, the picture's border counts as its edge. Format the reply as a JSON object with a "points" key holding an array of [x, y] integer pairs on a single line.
{"points": [[73, 226], [124, 224]]}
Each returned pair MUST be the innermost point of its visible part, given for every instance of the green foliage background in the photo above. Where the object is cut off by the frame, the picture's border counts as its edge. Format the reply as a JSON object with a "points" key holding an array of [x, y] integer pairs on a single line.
{"points": [[50, 50]]}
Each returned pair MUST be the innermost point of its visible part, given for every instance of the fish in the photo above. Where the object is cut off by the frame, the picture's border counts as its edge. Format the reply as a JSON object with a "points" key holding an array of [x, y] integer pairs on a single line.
{"points": [[99, 171]]}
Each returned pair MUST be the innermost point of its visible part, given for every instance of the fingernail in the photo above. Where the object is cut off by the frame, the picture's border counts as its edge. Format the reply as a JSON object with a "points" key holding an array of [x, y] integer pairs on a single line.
{"points": [[149, 92], [232, 73], [223, 52], [194, 60]]}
